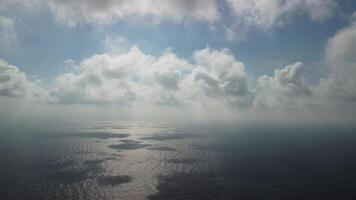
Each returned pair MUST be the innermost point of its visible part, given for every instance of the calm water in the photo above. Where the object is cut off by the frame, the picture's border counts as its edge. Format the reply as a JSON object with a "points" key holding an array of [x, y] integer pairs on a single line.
{"points": [[170, 161]]}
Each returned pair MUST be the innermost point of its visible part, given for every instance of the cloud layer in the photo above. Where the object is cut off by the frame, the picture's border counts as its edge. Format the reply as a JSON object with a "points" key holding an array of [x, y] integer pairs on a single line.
{"points": [[269, 14], [210, 79], [264, 15], [102, 12]]}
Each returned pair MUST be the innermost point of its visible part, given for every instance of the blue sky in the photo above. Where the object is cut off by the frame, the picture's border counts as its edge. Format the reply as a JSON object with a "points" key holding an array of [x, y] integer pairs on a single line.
{"points": [[259, 41]]}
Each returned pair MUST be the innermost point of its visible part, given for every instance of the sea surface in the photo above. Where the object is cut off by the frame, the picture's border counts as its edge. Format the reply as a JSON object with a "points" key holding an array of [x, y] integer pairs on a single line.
{"points": [[108, 160]]}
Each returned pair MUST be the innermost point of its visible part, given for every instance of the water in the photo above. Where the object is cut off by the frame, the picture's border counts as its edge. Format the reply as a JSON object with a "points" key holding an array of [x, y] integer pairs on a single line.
{"points": [[179, 161]]}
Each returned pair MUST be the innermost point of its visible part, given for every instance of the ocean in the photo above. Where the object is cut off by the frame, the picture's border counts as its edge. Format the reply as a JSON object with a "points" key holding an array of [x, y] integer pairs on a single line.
{"points": [[110, 160]]}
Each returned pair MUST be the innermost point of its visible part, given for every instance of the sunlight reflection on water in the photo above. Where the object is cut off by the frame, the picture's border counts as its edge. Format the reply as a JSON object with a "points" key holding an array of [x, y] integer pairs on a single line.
{"points": [[168, 161]]}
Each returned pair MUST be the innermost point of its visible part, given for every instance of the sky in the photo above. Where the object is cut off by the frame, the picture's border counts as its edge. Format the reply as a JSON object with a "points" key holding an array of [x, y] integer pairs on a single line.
{"points": [[177, 59]]}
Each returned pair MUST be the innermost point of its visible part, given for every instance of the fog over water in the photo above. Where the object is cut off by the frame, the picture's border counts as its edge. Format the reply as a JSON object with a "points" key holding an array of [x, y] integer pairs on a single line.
{"points": [[137, 160]]}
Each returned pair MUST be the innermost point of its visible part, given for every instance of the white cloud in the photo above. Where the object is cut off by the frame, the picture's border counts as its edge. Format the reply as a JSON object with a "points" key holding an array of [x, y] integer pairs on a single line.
{"points": [[340, 58], [262, 14], [8, 36], [211, 79], [103, 12], [269, 14], [286, 89], [14, 83], [218, 78], [102, 78], [134, 77], [15, 4]]}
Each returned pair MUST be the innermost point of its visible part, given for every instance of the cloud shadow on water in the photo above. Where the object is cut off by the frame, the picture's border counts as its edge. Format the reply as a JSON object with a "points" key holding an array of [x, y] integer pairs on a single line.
{"points": [[129, 145], [67, 176], [162, 148], [172, 136], [183, 161], [188, 186], [114, 180], [67, 172]]}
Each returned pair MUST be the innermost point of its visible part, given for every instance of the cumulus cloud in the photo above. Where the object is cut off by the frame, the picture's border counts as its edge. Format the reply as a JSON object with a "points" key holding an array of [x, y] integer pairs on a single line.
{"points": [[14, 83], [8, 36], [130, 77], [103, 12], [269, 14], [218, 78], [210, 78], [262, 14], [286, 89], [340, 58]]}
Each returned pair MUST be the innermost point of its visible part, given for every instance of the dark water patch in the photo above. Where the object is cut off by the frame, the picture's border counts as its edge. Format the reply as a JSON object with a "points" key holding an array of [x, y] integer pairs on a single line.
{"points": [[183, 161], [93, 162], [67, 172], [129, 141], [114, 180], [67, 176], [129, 145], [172, 136], [215, 147], [110, 127], [162, 148], [189, 186], [55, 165], [93, 166]]}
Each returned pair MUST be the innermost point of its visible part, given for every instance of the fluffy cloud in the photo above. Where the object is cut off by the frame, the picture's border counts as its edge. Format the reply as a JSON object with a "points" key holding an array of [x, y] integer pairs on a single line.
{"points": [[217, 78], [14, 83], [261, 14], [109, 11], [7, 32], [134, 77], [102, 12], [211, 78], [285, 90], [102, 78], [15, 4], [268, 14], [340, 58]]}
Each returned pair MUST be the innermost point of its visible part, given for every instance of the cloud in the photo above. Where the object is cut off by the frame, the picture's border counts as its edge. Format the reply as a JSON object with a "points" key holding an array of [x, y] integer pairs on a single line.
{"points": [[133, 77], [269, 14], [15, 4], [108, 11], [217, 78], [102, 78], [8, 36], [14, 83], [264, 15], [210, 78], [340, 58], [286, 89]]}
